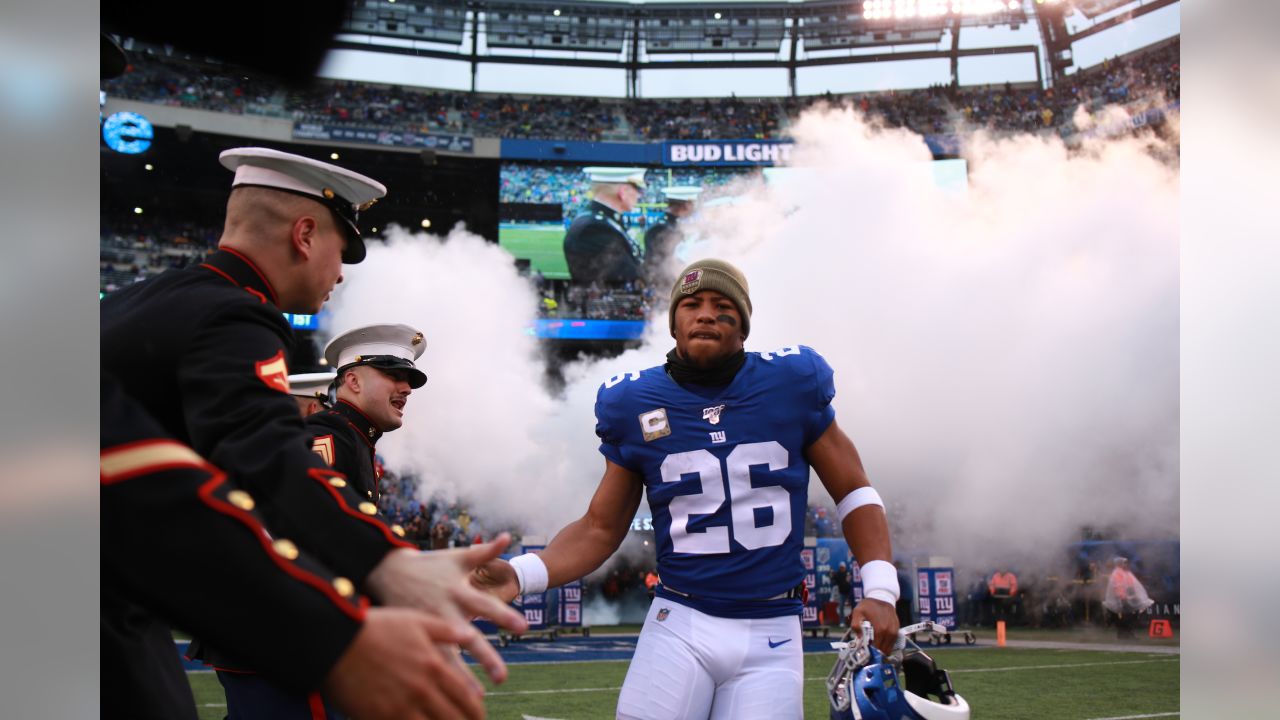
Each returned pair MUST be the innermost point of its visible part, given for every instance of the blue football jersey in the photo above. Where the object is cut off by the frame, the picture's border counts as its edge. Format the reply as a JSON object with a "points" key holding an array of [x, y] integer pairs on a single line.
{"points": [[725, 473]]}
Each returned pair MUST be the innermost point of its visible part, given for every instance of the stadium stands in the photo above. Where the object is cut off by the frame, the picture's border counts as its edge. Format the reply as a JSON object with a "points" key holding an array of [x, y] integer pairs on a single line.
{"points": [[1149, 73]]}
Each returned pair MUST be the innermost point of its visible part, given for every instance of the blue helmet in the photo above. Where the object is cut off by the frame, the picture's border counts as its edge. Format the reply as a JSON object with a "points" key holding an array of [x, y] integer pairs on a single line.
{"points": [[865, 685]]}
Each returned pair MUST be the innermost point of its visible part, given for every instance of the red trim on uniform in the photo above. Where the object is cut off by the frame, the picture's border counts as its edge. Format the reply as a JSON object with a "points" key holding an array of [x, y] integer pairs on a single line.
{"points": [[297, 573], [266, 283], [229, 279], [359, 412], [261, 298], [315, 703], [322, 477]]}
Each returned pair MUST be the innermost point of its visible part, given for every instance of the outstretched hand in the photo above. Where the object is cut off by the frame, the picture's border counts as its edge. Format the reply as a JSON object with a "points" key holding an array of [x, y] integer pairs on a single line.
{"points": [[438, 583], [497, 578]]}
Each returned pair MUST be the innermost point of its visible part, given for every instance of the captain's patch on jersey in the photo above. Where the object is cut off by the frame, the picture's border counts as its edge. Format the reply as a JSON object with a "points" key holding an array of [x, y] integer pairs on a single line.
{"points": [[654, 424], [274, 372], [691, 281], [323, 446]]}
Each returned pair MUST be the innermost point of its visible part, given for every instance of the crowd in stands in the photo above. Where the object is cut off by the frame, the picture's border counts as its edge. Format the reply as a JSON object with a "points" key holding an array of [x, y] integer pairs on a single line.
{"points": [[433, 524], [134, 252], [1150, 73]]}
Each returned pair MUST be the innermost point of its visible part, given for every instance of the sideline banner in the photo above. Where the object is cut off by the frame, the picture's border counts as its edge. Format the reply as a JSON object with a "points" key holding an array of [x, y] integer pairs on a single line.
{"points": [[384, 136]]}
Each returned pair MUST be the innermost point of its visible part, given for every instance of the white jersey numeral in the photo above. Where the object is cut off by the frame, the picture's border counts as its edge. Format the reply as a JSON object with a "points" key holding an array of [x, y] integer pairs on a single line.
{"points": [[744, 499], [620, 377], [781, 352]]}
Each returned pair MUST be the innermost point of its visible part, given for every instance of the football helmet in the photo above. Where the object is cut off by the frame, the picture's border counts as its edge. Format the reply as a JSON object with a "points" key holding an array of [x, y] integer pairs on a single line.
{"points": [[906, 685]]}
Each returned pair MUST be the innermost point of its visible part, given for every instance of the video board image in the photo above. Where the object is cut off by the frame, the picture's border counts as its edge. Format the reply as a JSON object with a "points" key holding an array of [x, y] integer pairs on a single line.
{"points": [[538, 203]]}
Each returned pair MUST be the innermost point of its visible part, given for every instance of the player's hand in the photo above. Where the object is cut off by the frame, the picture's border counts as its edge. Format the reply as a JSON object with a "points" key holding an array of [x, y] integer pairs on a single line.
{"points": [[884, 622], [497, 578], [395, 670], [438, 583]]}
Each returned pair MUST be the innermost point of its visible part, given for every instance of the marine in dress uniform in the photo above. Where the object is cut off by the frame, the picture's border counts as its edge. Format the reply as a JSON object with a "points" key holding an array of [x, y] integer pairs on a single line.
{"points": [[203, 349], [182, 544], [311, 391], [661, 239], [597, 246], [369, 402]]}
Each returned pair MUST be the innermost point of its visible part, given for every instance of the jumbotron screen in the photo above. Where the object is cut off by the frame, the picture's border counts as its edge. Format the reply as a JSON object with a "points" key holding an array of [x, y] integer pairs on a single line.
{"points": [[538, 202]]}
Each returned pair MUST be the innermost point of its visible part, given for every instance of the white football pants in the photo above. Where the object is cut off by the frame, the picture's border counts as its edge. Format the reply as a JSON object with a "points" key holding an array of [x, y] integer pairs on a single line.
{"points": [[690, 665]]}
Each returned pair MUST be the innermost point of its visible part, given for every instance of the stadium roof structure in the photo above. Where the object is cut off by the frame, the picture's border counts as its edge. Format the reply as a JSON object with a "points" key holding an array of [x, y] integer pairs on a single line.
{"points": [[655, 34]]}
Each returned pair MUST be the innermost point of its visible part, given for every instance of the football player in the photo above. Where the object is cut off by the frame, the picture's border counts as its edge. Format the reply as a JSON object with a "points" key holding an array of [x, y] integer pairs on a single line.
{"points": [[722, 441]]}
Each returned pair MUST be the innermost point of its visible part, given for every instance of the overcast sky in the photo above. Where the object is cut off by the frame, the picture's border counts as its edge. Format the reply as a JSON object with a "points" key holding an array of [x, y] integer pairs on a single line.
{"points": [[408, 70]]}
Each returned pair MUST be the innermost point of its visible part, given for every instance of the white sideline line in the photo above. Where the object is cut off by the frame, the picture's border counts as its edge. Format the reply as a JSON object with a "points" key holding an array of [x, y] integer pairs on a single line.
{"points": [[1067, 665], [1135, 717]]}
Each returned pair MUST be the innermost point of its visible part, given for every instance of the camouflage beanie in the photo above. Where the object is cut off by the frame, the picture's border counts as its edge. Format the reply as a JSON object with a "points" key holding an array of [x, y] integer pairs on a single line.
{"points": [[716, 275]]}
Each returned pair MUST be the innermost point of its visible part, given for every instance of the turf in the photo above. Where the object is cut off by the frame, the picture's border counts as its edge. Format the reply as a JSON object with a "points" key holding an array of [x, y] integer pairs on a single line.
{"points": [[541, 245], [999, 683]]}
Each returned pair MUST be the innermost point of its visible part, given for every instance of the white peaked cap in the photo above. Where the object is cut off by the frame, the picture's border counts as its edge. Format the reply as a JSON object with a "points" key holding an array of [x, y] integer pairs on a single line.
{"points": [[307, 385], [685, 193], [619, 175]]}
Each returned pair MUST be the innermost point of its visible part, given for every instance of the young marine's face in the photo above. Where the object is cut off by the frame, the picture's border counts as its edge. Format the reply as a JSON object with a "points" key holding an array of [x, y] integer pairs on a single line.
{"points": [[708, 328], [629, 196], [383, 395]]}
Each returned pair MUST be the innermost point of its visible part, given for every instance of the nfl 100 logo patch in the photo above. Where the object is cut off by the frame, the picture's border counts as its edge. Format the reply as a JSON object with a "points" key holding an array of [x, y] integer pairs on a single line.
{"points": [[662, 614], [689, 284]]}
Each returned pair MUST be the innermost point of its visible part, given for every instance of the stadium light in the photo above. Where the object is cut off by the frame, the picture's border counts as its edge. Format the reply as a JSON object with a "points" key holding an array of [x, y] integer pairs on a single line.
{"points": [[556, 13], [717, 16], [137, 211]]}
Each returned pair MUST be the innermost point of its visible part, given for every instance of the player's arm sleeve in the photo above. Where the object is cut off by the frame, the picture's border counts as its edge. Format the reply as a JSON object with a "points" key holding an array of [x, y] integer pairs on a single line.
{"points": [[241, 418], [822, 390], [608, 429], [184, 541]]}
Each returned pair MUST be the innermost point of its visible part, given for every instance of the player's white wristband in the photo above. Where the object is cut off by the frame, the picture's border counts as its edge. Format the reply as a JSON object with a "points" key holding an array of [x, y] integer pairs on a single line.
{"points": [[531, 573], [879, 581], [856, 499]]}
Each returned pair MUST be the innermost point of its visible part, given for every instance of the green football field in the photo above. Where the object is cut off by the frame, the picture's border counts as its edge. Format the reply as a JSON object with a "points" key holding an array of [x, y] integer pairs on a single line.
{"points": [[541, 245], [999, 684]]}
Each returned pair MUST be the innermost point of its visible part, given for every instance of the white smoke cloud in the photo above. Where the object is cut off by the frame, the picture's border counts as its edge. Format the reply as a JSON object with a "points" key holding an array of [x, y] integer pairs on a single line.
{"points": [[1006, 356]]}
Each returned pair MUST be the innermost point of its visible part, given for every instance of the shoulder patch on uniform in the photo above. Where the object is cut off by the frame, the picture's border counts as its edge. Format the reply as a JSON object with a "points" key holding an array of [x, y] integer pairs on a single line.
{"points": [[274, 372], [323, 446], [654, 424]]}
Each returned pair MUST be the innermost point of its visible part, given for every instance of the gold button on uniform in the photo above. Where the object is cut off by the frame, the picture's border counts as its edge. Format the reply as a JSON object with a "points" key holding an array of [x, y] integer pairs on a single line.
{"points": [[345, 587], [240, 499], [337, 482], [285, 549], [368, 508], [397, 530]]}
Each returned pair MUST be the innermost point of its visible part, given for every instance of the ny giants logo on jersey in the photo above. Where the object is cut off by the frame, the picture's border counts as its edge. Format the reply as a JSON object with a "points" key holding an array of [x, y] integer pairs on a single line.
{"points": [[718, 437], [712, 414]]}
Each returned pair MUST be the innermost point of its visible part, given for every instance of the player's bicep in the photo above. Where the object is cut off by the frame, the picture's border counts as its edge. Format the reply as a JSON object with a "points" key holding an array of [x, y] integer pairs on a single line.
{"points": [[616, 500], [836, 460]]}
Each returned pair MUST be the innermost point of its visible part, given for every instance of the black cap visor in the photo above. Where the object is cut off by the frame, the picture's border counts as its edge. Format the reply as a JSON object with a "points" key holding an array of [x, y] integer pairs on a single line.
{"points": [[417, 378]]}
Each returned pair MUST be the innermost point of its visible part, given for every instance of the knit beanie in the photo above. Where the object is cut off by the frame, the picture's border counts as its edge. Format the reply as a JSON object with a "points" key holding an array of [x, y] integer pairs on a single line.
{"points": [[717, 275]]}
